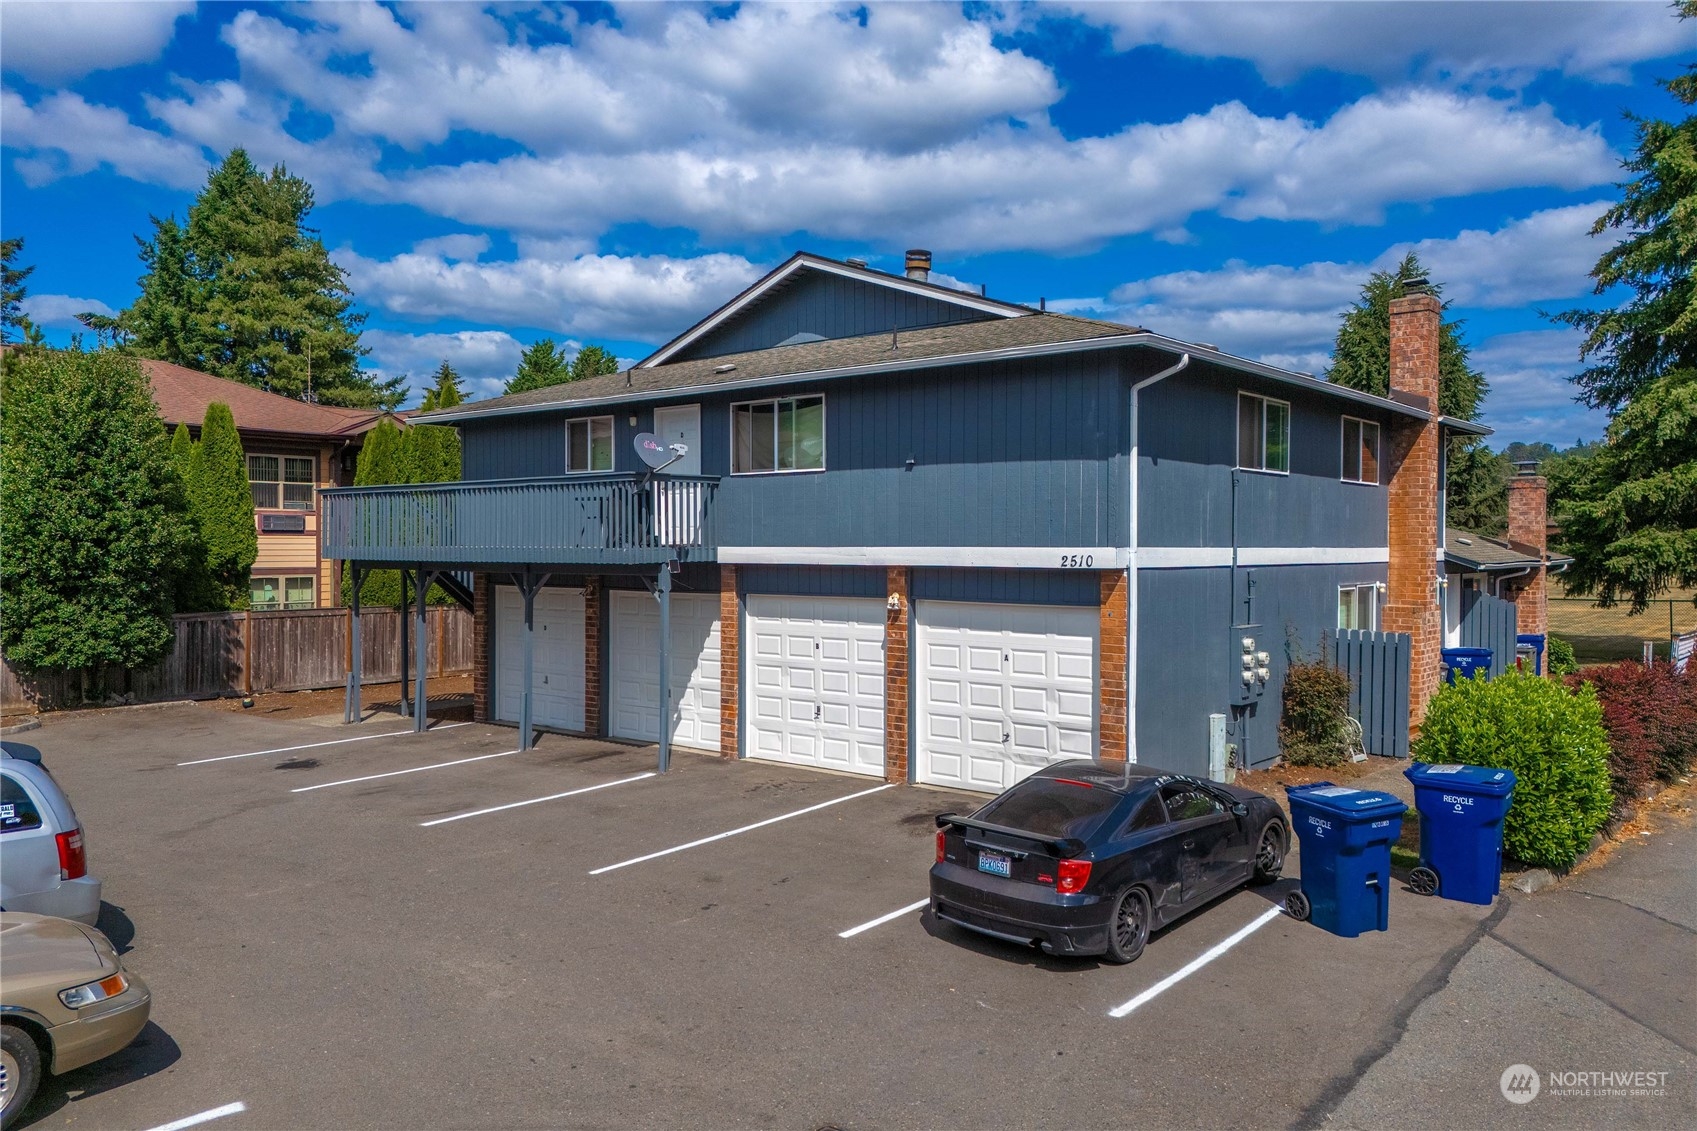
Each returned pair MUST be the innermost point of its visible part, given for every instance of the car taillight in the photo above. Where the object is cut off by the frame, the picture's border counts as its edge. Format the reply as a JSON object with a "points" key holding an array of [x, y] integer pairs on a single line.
{"points": [[940, 833], [73, 865], [1071, 876]]}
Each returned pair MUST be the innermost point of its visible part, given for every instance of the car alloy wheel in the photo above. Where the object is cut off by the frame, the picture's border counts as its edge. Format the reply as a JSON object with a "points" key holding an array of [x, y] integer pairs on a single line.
{"points": [[1128, 933], [1270, 857]]}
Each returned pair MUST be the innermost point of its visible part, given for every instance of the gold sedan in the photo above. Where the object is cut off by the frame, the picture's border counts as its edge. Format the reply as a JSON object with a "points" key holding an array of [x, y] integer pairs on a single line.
{"points": [[65, 1001]]}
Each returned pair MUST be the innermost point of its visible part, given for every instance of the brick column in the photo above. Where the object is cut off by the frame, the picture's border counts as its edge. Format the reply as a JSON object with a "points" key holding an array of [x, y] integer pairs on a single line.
{"points": [[592, 655], [1111, 693], [896, 659], [1411, 599], [483, 601], [1528, 508], [730, 662]]}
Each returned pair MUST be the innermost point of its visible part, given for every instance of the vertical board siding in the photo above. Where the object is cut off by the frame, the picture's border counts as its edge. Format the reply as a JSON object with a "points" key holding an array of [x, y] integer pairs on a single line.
{"points": [[1489, 622], [1377, 666], [521, 446], [812, 581], [831, 306], [291, 651], [1009, 586]]}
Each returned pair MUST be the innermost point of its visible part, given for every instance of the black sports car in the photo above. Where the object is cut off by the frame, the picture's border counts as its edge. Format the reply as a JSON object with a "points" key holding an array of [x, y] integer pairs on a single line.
{"points": [[1082, 858]]}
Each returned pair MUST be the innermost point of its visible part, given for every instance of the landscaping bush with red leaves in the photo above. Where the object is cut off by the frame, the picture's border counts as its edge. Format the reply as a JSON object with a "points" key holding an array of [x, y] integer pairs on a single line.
{"points": [[1651, 717]]}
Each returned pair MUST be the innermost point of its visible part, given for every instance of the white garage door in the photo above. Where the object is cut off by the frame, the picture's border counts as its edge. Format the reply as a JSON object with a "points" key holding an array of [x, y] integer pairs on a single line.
{"points": [[557, 688], [634, 686], [815, 682], [1003, 691]]}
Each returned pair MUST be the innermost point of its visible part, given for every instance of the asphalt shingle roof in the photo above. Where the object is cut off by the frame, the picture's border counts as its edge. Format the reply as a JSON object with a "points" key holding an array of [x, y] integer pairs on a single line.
{"points": [[1477, 551], [182, 396]]}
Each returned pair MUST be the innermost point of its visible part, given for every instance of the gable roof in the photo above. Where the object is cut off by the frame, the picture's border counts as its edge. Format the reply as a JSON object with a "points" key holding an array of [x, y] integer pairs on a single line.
{"points": [[1482, 553], [802, 262], [183, 394]]}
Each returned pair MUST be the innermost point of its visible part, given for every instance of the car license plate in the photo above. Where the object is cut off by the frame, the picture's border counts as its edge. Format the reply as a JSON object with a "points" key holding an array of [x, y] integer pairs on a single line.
{"points": [[995, 863]]}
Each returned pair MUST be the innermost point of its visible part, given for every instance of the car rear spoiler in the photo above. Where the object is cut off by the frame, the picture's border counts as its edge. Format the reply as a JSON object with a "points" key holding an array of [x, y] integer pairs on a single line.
{"points": [[1064, 846]]}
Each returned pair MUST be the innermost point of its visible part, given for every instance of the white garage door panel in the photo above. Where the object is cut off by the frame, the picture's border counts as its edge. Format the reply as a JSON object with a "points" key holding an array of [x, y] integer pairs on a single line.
{"points": [[634, 686], [557, 698], [1003, 691], [816, 682]]}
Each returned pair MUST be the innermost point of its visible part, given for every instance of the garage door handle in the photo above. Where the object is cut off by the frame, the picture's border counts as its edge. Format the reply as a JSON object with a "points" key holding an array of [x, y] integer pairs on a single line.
{"points": [[815, 712], [1006, 735]]}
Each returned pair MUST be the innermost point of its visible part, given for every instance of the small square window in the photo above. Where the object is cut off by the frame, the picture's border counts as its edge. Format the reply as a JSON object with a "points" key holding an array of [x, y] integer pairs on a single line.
{"points": [[1358, 606], [589, 444], [1360, 451], [1263, 433], [282, 482]]}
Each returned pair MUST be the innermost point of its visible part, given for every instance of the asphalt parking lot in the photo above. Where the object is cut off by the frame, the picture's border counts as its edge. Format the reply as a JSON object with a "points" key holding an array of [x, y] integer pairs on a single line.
{"points": [[436, 931]]}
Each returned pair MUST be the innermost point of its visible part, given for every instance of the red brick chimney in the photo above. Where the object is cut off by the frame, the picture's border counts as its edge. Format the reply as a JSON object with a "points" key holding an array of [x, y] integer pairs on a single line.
{"points": [[1528, 502], [1411, 598]]}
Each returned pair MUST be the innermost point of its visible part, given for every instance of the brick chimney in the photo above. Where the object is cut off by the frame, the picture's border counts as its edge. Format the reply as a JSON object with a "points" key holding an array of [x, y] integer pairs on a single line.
{"points": [[1411, 598], [1528, 503]]}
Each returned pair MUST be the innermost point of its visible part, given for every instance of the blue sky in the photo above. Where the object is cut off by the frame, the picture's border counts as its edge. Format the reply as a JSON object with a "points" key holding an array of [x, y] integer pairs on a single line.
{"points": [[1222, 172]]}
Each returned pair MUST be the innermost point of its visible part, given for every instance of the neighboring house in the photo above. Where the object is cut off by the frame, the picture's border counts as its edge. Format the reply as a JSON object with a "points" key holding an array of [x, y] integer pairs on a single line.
{"points": [[293, 449], [1497, 588], [921, 534]]}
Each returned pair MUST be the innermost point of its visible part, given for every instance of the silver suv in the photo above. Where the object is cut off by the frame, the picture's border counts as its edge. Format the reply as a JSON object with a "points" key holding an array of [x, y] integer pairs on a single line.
{"points": [[43, 862]]}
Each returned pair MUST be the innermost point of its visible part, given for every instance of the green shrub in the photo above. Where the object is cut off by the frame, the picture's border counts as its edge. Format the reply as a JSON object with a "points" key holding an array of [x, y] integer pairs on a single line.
{"points": [[1552, 738], [1560, 658], [1316, 703]]}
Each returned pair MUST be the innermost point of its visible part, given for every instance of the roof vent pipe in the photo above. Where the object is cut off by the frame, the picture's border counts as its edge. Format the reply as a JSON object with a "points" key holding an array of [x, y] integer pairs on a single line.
{"points": [[918, 264], [861, 263]]}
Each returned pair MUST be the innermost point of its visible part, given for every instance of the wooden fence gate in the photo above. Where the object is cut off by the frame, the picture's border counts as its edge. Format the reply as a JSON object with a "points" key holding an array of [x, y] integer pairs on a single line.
{"points": [[1377, 664], [1489, 622]]}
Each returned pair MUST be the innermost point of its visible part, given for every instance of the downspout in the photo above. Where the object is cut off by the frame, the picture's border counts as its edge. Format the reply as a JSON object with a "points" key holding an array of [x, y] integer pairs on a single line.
{"points": [[1497, 582], [1131, 578]]}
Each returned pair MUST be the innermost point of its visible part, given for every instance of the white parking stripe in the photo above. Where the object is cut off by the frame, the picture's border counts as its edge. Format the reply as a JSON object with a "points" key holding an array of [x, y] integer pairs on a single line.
{"points": [[536, 800], [398, 773], [734, 832], [316, 745], [1196, 964], [203, 1117], [882, 919]]}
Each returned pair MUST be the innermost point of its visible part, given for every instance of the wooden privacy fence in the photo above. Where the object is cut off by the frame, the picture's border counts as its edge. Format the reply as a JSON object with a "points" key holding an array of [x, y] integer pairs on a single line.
{"points": [[1377, 665], [217, 654], [1489, 622]]}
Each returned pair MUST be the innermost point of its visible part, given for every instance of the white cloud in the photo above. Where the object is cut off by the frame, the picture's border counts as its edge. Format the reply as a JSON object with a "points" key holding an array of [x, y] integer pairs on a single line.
{"points": [[63, 135], [642, 298], [483, 358], [54, 41], [1547, 255], [1496, 43], [59, 312], [1531, 397]]}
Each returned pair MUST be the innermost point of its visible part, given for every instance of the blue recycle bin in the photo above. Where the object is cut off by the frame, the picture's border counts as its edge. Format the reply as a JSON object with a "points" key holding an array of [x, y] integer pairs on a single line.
{"points": [[1464, 662], [1535, 642], [1461, 830], [1346, 836]]}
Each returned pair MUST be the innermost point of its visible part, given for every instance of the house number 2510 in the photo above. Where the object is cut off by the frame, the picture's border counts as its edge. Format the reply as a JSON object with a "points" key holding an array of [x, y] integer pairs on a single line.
{"points": [[1077, 561]]}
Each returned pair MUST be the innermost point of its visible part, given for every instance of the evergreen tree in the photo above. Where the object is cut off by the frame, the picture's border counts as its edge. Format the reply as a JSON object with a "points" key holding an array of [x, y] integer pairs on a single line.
{"points": [[1629, 512], [446, 392], [222, 501], [592, 361], [542, 365], [1478, 489], [93, 518], [182, 452], [13, 322], [381, 461], [195, 590]]}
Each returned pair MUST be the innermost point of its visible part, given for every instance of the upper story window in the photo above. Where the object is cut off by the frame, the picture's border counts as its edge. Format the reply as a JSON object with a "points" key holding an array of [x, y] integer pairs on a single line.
{"points": [[281, 482], [1360, 451], [1358, 606], [787, 434], [589, 444], [1263, 433]]}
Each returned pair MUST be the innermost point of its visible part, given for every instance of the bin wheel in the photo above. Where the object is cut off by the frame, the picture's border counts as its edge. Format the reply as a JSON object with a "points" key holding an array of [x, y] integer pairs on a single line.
{"points": [[1296, 906], [1423, 881]]}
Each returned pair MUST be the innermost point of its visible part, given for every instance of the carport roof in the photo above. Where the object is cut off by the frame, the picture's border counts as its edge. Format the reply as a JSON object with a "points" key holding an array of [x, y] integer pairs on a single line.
{"points": [[1482, 554]]}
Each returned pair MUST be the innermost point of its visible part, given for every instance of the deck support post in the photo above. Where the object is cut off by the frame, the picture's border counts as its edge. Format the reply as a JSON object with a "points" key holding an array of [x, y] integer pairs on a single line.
{"points": [[421, 642], [352, 711], [663, 591], [406, 576], [528, 585]]}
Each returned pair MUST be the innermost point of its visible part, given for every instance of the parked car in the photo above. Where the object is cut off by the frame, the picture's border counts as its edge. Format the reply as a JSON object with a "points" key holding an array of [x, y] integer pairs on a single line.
{"points": [[43, 861], [1085, 859], [65, 1001]]}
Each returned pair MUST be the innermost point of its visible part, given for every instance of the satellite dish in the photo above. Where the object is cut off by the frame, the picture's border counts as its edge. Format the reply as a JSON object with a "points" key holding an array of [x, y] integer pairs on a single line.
{"points": [[652, 450]]}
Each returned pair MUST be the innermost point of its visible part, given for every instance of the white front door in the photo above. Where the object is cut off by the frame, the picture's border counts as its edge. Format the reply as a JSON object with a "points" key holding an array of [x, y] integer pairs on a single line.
{"points": [[1003, 691], [557, 694], [681, 424], [815, 682], [634, 683]]}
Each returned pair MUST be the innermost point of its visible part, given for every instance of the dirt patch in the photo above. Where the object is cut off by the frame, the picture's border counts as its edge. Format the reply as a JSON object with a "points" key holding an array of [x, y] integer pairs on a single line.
{"points": [[450, 700], [1273, 781], [1673, 807]]}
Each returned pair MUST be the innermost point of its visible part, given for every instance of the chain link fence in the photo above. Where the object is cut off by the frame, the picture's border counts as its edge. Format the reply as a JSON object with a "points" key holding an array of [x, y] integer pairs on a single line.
{"points": [[1603, 635]]}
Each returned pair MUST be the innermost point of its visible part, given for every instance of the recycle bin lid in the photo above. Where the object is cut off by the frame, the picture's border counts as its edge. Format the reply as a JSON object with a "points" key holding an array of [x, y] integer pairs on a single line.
{"points": [[1483, 781], [1361, 804]]}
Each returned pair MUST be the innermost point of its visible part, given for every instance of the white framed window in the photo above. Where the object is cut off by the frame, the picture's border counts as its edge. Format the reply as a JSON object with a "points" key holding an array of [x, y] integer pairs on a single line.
{"points": [[1263, 434], [1360, 451], [589, 444], [786, 434], [270, 594], [281, 482], [1358, 606]]}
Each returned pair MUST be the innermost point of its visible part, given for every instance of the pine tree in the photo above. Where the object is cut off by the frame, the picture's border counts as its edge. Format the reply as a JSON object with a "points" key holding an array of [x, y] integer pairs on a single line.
{"points": [[592, 361], [93, 516], [13, 322], [222, 501], [446, 392], [540, 366]]}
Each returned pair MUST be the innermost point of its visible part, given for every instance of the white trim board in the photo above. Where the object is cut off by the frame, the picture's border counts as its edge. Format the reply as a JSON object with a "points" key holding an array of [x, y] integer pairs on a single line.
{"points": [[967, 557], [1200, 557]]}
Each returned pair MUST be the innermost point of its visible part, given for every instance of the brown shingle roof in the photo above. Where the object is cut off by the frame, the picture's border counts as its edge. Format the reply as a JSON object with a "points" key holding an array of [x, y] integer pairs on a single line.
{"points": [[182, 396], [1485, 553]]}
